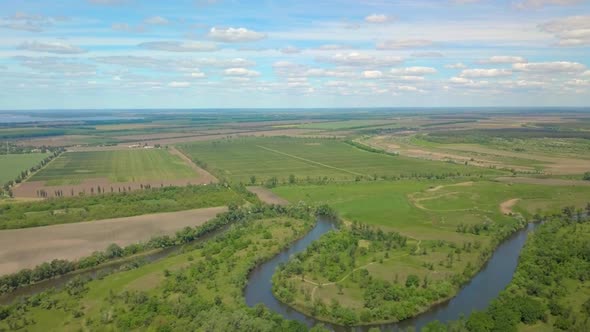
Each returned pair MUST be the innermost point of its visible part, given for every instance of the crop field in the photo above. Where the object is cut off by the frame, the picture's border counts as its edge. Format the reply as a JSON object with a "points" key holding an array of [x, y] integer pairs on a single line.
{"points": [[12, 165], [310, 159], [117, 166], [557, 156]]}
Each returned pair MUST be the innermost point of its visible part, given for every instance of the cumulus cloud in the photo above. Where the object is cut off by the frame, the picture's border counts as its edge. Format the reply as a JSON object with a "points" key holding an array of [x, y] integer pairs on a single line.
{"points": [[550, 67], [28, 22], [458, 65], [413, 71], [57, 65], [290, 50], [504, 59], [57, 47], [372, 74], [241, 72], [569, 31], [235, 35], [361, 59], [177, 84], [535, 4], [377, 18], [400, 44], [478, 73], [175, 46], [334, 47], [156, 20]]}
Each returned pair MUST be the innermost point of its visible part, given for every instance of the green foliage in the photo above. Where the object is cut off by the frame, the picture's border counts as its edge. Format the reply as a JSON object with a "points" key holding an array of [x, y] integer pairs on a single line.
{"points": [[74, 209]]}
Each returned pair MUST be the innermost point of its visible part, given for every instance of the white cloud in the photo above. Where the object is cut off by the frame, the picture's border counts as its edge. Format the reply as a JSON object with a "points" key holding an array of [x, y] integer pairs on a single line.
{"points": [[235, 35], [414, 71], [361, 59], [377, 18], [197, 74], [290, 50], [400, 44], [550, 67], [372, 74], [569, 31], [174, 46], [334, 47], [241, 72], [156, 20], [458, 65], [57, 47], [57, 65], [477, 73], [427, 55], [504, 59], [124, 27], [534, 4], [175, 84]]}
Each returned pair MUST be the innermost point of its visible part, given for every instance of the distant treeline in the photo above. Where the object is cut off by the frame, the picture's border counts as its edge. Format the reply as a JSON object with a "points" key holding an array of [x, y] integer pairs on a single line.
{"points": [[484, 135]]}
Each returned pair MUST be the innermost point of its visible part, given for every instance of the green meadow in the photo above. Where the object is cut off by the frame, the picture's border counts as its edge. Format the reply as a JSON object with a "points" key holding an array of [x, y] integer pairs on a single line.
{"points": [[117, 166]]}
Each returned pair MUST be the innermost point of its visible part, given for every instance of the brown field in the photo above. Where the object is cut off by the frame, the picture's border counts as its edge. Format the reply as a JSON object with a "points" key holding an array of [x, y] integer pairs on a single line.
{"points": [[55, 141], [268, 196], [28, 247]]}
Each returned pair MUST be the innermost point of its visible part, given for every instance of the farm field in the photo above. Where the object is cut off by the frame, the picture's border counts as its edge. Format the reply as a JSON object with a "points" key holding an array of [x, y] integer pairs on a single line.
{"points": [[117, 166], [207, 278], [29, 247], [529, 155], [12, 165], [310, 160]]}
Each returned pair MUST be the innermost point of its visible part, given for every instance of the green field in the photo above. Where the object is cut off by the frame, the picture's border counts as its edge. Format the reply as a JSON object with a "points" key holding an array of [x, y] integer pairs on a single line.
{"points": [[117, 166], [310, 159], [451, 228], [12, 165]]}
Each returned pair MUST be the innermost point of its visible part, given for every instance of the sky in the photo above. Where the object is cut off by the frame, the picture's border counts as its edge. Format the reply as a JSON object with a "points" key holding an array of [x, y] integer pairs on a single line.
{"points": [[95, 54]]}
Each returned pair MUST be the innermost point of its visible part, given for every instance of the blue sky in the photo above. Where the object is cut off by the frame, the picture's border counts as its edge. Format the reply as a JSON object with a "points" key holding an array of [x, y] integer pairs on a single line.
{"points": [[327, 53]]}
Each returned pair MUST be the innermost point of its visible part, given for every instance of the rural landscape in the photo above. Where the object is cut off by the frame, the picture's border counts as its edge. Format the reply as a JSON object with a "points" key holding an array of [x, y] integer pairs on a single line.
{"points": [[295, 166], [162, 221]]}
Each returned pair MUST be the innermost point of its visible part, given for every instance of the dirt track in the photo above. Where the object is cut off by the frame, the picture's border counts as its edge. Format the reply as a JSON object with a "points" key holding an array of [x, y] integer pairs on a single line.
{"points": [[506, 206], [268, 196], [547, 182], [26, 248]]}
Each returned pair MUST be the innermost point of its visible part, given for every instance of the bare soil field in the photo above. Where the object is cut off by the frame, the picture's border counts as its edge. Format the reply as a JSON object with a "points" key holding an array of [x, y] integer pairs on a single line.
{"points": [[268, 196], [54, 141], [26, 248]]}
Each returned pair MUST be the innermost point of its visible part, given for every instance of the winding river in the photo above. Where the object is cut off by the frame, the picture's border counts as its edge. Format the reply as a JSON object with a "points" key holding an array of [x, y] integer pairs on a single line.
{"points": [[475, 295]]}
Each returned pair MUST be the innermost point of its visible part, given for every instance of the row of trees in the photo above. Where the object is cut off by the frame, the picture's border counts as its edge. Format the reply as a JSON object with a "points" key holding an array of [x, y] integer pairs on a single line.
{"points": [[7, 187]]}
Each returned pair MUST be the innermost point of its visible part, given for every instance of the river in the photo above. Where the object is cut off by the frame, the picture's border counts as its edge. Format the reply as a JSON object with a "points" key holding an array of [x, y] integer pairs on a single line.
{"points": [[475, 295]]}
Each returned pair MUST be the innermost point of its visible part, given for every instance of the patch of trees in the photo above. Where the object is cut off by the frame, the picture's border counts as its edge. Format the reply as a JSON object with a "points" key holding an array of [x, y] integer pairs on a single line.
{"points": [[185, 236], [553, 265], [205, 294], [62, 210]]}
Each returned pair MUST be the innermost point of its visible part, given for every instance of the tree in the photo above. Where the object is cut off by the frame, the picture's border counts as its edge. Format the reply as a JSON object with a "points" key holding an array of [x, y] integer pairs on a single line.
{"points": [[586, 176], [412, 281], [253, 179], [479, 321]]}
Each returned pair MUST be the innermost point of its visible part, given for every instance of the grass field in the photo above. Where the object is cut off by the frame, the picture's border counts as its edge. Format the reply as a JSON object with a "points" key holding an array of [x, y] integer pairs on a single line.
{"points": [[280, 157], [117, 166], [12, 165]]}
